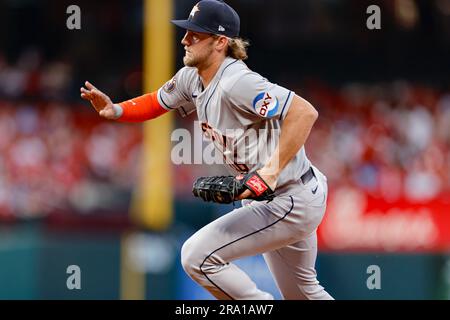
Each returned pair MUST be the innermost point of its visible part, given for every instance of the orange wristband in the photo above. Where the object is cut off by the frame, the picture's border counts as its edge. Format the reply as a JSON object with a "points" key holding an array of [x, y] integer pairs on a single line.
{"points": [[141, 108]]}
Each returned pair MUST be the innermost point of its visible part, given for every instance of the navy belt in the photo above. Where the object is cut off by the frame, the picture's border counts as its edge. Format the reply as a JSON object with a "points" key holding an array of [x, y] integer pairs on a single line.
{"points": [[307, 176]]}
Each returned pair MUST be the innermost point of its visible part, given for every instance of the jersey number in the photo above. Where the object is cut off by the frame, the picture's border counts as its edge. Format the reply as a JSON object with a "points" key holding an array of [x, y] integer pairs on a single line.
{"points": [[222, 140]]}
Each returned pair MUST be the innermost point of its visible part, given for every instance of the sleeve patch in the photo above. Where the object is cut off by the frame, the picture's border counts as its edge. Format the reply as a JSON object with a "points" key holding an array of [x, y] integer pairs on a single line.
{"points": [[170, 85], [266, 104]]}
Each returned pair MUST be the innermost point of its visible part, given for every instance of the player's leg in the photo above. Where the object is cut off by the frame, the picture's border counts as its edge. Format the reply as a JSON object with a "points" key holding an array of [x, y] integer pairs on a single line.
{"points": [[293, 268], [259, 227], [254, 229], [207, 255]]}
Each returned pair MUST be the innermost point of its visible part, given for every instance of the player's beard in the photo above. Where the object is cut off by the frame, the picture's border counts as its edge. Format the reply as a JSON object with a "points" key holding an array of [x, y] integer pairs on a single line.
{"points": [[194, 60]]}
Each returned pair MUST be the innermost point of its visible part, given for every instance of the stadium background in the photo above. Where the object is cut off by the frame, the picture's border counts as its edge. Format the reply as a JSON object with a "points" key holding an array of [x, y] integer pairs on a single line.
{"points": [[383, 139]]}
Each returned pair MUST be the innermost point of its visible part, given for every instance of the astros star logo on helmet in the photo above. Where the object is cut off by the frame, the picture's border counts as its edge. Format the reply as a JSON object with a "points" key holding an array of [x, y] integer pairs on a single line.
{"points": [[195, 9]]}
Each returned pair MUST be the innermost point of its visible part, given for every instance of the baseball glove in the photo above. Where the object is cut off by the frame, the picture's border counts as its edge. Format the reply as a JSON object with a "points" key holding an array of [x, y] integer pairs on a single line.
{"points": [[225, 189]]}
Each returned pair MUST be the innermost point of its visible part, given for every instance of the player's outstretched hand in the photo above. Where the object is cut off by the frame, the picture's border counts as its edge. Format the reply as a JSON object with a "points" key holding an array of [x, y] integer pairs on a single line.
{"points": [[100, 101]]}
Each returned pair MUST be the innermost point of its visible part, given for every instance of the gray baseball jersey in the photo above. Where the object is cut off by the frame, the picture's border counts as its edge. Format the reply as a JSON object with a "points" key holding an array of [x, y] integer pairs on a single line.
{"points": [[240, 111]]}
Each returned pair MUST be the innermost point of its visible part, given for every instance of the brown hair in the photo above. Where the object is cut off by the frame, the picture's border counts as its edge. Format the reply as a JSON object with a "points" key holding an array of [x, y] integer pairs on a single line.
{"points": [[237, 48]]}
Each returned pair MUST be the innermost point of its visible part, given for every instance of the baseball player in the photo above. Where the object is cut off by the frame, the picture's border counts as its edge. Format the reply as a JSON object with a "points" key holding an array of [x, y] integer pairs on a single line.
{"points": [[230, 101]]}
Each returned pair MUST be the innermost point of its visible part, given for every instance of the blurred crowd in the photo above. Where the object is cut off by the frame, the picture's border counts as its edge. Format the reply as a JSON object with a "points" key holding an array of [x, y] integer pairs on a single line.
{"points": [[56, 158], [391, 140], [32, 77]]}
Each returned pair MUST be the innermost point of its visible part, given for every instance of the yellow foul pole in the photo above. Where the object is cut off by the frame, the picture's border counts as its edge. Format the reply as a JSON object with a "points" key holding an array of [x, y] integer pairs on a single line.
{"points": [[151, 206]]}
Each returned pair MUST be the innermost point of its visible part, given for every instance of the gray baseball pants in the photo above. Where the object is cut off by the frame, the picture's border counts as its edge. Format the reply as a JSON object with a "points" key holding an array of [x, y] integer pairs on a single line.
{"points": [[283, 231]]}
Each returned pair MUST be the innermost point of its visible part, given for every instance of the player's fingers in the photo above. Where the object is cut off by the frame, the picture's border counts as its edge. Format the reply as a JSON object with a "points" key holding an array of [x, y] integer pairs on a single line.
{"points": [[86, 94], [89, 85], [94, 95], [83, 90], [244, 195]]}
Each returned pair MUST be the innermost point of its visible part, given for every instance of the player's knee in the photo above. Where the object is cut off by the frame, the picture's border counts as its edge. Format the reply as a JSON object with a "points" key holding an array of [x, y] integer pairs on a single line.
{"points": [[189, 258]]}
